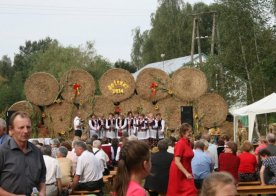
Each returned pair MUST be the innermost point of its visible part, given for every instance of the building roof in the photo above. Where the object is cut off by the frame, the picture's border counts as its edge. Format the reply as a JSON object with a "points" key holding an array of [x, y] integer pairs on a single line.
{"points": [[170, 66]]}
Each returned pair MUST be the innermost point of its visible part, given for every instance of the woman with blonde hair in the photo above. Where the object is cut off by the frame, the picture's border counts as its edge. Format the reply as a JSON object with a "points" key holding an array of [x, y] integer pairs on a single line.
{"points": [[219, 184], [133, 166]]}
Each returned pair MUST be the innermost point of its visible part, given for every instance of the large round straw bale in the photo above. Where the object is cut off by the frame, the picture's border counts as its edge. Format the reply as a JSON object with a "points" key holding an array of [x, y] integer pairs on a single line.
{"points": [[170, 109], [41, 88], [151, 76], [227, 128], [189, 84], [27, 107], [117, 84], [136, 104], [59, 117], [75, 77], [211, 109], [102, 106]]}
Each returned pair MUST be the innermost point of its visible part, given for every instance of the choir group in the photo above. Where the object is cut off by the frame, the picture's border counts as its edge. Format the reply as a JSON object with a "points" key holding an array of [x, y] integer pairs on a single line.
{"points": [[117, 125]]}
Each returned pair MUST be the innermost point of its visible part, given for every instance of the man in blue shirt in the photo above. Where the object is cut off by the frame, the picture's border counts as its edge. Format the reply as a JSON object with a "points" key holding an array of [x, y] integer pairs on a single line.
{"points": [[202, 164]]}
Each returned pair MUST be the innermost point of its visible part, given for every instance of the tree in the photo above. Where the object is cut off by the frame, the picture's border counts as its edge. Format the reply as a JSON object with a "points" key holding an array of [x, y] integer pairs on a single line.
{"points": [[125, 65]]}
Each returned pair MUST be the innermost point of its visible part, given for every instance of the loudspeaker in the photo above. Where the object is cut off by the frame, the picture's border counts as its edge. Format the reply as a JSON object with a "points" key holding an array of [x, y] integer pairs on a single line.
{"points": [[8, 116], [187, 115]]}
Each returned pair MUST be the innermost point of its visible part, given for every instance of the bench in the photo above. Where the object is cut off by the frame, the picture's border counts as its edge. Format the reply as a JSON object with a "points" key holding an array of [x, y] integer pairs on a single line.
{"points": [[256, 189], [75, 193], [249, 183]]}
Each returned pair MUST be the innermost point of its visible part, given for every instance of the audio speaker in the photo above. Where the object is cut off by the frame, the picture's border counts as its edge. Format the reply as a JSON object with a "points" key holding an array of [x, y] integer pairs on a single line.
{"points": [[187, 115]]}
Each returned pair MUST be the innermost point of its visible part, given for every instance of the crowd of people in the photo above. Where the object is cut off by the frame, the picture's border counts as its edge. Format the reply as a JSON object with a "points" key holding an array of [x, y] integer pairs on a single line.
{"points": [[187, 166]]}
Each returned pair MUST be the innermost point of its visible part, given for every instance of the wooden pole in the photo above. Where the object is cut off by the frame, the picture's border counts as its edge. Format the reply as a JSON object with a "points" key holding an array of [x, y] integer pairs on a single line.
{"points": [[193, 40], [198, 41], [213, 34]]}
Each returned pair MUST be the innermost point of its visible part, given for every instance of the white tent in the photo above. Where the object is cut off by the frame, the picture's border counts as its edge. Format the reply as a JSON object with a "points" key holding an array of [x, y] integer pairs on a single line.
{"points": [[265, 105]]}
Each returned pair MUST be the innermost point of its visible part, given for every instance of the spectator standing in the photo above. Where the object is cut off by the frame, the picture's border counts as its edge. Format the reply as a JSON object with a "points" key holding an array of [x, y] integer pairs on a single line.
{"points": [[54, 146], [202, 164], [157, 181], [181, 169], [21, 163], [212, 148], [53, 174]]}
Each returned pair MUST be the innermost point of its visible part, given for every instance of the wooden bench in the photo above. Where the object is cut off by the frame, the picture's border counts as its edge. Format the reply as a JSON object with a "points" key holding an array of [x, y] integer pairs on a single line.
{"points": [[75, 193], [249, 183], [256, 189]]}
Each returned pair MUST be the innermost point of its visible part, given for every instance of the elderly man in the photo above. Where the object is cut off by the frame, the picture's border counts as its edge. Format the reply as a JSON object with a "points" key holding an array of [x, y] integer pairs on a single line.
{"points": [[101, 156], [88, 176], [21, 163], [3, 128], [66, 166], [53, 175]]}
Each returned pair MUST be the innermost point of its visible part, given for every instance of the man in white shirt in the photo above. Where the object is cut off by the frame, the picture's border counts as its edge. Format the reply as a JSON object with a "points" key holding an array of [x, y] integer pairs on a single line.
{"points": [[100, 155], [77, 125], [53, 174], [212, 149], [88, 177]]}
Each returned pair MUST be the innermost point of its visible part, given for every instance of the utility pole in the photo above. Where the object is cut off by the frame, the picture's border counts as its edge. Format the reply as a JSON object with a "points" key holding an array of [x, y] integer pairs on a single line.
{"points": [[213, 34], [193, 40]]}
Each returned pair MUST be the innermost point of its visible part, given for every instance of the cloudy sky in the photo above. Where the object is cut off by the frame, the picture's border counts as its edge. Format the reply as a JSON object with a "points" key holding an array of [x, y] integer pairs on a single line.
{"points": [[109, 23]]}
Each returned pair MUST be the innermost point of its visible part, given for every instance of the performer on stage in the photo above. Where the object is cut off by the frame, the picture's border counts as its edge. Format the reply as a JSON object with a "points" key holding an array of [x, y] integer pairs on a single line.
{"points": [[110, 127], [121, 125], [129, 127], [142, 128], [101, 127], [77, 123], [93, 126], [158, 129]]}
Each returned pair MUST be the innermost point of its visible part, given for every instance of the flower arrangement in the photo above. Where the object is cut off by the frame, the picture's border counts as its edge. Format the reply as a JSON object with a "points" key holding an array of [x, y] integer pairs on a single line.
{"points": [[76, 88]]}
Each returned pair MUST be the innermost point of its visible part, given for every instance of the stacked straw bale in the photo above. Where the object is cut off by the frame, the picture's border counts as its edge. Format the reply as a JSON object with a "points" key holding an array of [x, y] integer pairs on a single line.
{"points": [[170, 108], [59, 117], [102, 106], [41, 88], [26, 106], [117, 85], [146, 78], [189, 84], [211, 109], [79, 77], [136, 104]]}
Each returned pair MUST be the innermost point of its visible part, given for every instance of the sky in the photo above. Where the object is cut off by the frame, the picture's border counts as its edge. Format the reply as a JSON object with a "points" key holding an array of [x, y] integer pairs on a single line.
{"points": [[108, 23]]}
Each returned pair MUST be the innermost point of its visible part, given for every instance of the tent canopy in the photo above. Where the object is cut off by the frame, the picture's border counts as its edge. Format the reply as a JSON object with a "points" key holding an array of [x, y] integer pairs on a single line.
{"points": [[263, 106]]}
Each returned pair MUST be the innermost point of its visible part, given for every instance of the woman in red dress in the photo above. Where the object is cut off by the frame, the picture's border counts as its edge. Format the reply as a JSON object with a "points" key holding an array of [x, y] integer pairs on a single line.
{"points": [[181, 181]]}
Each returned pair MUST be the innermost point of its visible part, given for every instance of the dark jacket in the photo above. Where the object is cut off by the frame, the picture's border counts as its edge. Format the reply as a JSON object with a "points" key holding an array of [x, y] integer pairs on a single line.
{"points": [[158, 179]]}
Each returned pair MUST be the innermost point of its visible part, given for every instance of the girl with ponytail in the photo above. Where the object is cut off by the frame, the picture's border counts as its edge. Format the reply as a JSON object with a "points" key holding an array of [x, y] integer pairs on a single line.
{"points": [[133, 166]]}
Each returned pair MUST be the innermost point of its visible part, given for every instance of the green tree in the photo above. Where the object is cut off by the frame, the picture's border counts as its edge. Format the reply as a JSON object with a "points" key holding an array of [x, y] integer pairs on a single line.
{"points": [[125, 65]]}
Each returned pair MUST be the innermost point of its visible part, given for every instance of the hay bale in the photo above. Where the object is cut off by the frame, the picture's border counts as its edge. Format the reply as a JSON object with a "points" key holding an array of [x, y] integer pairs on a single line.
{"points": [[117, 84], [41, 88], [27, 107], [211, 110], [102, 106], [149, 76], [227, 128], [170, 109], [136, 104], [189, 84], [74, 78], [59, 118]]}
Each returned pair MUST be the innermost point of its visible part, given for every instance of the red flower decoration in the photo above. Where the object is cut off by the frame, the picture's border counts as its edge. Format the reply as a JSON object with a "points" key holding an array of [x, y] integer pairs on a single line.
{"points": [[153, 87], [77, 87], [117, 109]]}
